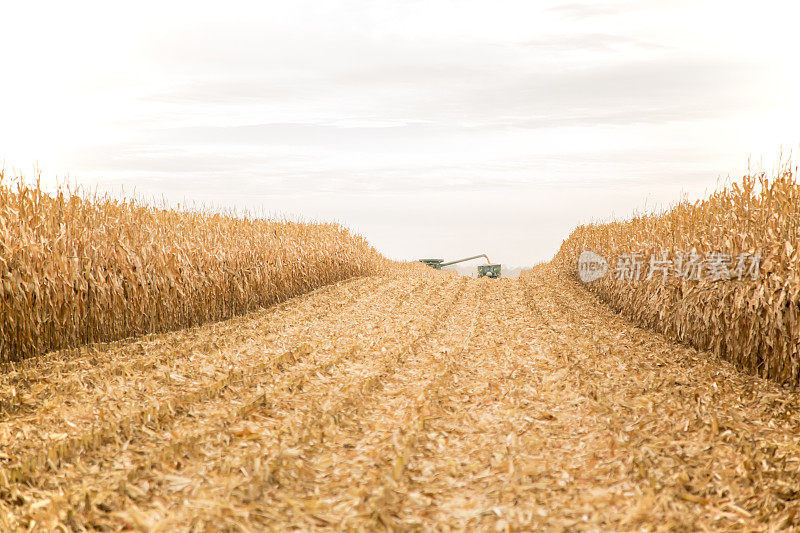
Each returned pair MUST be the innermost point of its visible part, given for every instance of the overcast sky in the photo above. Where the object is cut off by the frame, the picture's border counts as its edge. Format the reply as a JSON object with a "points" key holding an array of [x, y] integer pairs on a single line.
{"points": [[434, 128]]}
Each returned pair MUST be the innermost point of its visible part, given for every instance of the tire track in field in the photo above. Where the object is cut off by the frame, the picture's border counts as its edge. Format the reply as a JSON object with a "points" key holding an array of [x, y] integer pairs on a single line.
{"points": [[292, 428], [460, 458], [349, 464], [375, 458], [114, 419], [399, 301]]}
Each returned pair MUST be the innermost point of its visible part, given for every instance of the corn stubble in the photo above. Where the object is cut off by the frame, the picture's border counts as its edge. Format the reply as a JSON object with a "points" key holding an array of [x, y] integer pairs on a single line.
{"points": [[753, 323], [77, 269]]}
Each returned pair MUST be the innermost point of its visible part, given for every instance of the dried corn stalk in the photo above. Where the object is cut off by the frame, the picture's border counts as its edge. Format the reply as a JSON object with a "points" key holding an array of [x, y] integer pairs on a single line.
{"points": [[754, 323], [75, 270]]}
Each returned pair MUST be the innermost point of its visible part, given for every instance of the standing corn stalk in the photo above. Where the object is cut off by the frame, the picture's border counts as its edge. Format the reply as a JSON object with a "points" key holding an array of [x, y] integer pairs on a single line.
{"points": [[75, 270], [754, 322]]}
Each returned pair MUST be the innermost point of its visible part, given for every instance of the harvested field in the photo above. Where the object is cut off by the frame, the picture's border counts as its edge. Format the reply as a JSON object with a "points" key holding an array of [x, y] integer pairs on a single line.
{"points": [[413, 400]]}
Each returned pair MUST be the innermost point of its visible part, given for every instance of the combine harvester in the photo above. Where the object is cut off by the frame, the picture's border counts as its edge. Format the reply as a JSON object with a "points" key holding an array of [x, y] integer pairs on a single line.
{"points": [[490, 270]]}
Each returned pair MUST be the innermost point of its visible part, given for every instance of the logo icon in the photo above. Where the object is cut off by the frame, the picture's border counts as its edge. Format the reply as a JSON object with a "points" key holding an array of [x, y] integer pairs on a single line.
{"points": [[591, 266]]}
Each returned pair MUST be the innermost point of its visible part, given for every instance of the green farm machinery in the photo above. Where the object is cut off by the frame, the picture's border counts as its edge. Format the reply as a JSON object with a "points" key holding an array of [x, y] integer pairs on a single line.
{"points": [[490, 270]]}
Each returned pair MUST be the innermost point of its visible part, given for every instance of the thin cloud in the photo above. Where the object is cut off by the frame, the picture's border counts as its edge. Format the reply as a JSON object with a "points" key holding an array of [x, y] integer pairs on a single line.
{"points": [[627, 93]]}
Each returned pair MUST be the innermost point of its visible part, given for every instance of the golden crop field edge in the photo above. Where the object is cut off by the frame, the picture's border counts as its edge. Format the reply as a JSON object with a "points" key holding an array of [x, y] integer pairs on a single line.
{"points": [[76, 269], [754, 323]]}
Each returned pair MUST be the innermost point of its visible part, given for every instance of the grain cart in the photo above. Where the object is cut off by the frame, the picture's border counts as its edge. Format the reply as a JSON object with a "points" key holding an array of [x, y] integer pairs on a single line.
{"points": [[490, 270]]}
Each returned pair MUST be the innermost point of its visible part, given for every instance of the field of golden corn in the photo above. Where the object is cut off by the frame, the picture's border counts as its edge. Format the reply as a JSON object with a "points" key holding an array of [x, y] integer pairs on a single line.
{"points": [[76, 270], [753, 322], [179, 371]]}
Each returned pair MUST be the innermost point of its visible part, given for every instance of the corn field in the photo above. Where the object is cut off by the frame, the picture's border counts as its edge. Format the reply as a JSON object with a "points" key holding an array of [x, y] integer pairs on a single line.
{"points": [[397, 397], [77, 269], [754, 323]]}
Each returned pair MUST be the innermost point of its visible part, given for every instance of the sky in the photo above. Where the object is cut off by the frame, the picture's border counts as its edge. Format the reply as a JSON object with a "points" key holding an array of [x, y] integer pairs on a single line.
{"points": [[433, 128]]}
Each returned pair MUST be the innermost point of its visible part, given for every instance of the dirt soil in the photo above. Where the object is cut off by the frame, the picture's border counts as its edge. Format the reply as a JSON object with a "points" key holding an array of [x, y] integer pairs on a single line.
{"points": [[416, 401]]}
